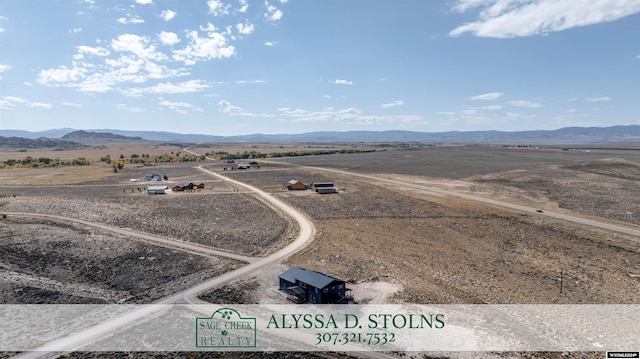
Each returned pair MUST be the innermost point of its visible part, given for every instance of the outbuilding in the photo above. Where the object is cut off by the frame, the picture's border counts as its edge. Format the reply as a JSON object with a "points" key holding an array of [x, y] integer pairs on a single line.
{"points": [[307, 286], [316, 185], [152, 177], [156, 189], [326, 190], [295, 185]]}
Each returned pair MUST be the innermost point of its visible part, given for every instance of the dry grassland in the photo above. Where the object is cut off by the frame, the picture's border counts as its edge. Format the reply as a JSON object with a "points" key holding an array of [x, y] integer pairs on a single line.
{"points": [[47, 261], [232, 222], [265, 148], [446, 250], [439, 248], [94, 153]]}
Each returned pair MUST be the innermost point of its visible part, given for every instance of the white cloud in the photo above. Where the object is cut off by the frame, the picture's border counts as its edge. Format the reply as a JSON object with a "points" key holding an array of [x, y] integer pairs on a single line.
{"points": [[392, 104], [524, 103], [137, 45], [46, 106], [71, 104], [144, 2], [516, 18], [168, 88], [14, 99], [487, 96], [244, 5], [490, 107], [272, 14], [179, 107], [168, 15], [343, 82], [174, 104], [76, 30], [218, 8], [4, 68], [128, 108], [95, 51], [6, 105], [168, 38], [241, 82], [245, 29], [209, 28], [227, 107], [61, 75], [130, 20], [349, 116], [204, 48], [599, 99]]}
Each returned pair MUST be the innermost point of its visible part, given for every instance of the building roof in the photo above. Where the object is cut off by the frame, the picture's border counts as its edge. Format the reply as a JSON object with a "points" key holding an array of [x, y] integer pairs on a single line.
{"points": [[327, 190], [295, 289], [293, 181], [155, 188], [325, 184], [312, 278]]}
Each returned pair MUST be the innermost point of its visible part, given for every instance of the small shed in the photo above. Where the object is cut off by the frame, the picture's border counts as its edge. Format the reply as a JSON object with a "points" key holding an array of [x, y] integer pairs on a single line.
{"points": [[295, 185], [154, 177], [307, 286], [316, 185], [326, 190], [156, 189]]}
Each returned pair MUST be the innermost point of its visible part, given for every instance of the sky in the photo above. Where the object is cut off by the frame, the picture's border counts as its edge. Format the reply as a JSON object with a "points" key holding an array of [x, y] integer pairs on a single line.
{"points": [[232, 67]]}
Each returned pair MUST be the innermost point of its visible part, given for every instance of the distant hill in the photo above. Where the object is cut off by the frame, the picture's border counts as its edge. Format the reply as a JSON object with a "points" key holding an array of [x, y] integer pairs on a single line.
{"points": [[98, 137], [568, 135], [42, 142], [56, 133]]}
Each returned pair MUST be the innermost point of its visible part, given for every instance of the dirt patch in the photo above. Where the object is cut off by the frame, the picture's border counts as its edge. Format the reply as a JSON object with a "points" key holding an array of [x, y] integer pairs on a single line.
{"points": [[376, 290]]}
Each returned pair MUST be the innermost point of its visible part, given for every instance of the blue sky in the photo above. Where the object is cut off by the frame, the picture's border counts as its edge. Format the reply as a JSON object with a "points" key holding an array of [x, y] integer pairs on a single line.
{"points": [[229, 67]]}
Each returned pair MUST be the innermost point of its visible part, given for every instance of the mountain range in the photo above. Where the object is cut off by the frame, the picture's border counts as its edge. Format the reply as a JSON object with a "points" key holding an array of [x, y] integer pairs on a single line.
{"points": [[567, 135]]}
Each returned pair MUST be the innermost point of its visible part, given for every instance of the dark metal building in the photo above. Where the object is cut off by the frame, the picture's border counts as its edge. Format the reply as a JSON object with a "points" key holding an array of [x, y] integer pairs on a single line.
{"points": [[307, 286]]}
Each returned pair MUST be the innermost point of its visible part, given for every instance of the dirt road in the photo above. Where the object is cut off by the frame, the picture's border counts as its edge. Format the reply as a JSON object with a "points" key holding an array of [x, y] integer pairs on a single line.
{"points": [[76, 340], [564, 217]]}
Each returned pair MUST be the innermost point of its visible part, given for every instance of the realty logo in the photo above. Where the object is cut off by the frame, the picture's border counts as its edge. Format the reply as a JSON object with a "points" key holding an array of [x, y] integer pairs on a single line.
{"points": [[226, 328]]}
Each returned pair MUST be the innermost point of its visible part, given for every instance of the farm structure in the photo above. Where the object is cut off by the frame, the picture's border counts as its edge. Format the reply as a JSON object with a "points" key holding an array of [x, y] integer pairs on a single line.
{"points": [[156, 189], [180, 187], [295, 185], [307, 286], [324, 187], [152, 177]]}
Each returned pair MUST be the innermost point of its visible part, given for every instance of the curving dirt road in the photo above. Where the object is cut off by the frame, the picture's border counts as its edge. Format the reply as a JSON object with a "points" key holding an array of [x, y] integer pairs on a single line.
{"points": [[165, 242], [76, 340]]}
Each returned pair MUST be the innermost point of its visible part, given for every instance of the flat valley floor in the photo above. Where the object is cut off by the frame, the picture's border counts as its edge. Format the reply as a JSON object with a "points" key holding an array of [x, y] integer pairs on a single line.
{"points": [[397, 230]]}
